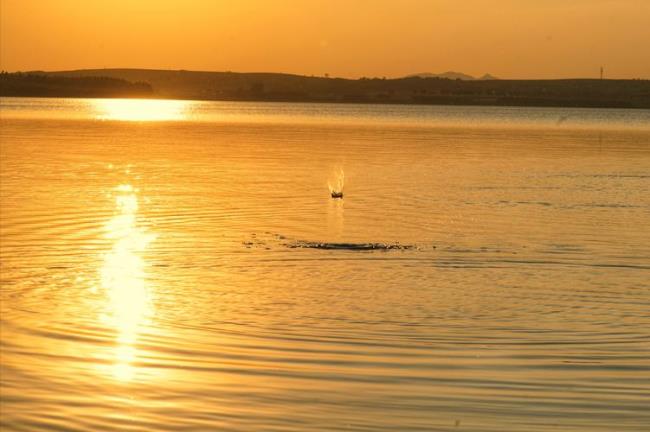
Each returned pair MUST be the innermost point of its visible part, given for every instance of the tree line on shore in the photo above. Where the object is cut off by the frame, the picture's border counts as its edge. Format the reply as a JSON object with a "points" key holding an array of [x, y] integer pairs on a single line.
{"points": [[40, 85]]}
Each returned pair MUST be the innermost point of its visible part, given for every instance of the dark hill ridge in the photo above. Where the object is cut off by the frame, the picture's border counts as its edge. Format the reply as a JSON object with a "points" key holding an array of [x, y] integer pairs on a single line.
{"points": [[182, 84], [43, 85], [449, 74]]}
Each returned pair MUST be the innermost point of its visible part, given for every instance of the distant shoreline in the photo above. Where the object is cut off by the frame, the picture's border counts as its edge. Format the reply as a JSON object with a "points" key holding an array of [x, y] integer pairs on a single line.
{"points": [[268, 87]]}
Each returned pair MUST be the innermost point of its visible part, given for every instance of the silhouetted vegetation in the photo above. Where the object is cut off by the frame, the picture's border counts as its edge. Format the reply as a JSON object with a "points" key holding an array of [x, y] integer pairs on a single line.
{"points": [[43, 85], [409, 90]]}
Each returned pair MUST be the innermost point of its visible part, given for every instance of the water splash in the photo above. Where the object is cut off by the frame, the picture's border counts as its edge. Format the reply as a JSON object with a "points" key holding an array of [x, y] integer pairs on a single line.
{"points": [[336, 184]]}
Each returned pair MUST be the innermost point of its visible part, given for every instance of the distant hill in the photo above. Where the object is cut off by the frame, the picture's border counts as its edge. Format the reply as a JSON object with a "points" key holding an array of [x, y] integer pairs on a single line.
{"points": [[448, 75], [182, 84], [44, 85], [452, 75]]}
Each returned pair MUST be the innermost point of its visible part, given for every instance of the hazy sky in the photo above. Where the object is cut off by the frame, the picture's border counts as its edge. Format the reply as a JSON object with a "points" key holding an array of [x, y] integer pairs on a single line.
{"points": [[349, 38]]}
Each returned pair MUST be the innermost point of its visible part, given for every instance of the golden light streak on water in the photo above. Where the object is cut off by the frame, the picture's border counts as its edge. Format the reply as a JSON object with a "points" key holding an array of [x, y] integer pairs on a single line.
{"points": [[336, 218], [123, 279], [141, 109]]}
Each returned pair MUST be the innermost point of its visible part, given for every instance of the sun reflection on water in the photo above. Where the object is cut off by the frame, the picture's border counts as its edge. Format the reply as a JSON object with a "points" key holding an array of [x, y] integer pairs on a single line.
{"points": [[141, 109], [123, 280]]}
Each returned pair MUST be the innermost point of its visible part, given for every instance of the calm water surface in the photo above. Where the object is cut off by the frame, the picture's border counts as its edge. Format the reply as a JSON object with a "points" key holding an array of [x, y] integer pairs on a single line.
{"points": [[173, 265]]}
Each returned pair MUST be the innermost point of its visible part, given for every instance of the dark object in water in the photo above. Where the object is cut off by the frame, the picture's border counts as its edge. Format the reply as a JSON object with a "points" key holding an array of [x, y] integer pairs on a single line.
{"points": [[350, 246], [336, 194]]}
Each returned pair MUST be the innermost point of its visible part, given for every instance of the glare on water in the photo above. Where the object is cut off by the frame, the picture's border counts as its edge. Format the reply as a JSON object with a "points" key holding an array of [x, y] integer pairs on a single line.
{"points": [[141, 109], [123, 279]]}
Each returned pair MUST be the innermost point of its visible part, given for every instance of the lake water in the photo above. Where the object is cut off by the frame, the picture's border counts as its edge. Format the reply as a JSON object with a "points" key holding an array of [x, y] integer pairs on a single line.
{"points": [[177, 265]]}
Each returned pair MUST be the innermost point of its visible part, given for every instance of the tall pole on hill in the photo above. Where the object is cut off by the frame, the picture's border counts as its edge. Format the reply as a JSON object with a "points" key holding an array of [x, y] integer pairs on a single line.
{"points": [[601, 72]]}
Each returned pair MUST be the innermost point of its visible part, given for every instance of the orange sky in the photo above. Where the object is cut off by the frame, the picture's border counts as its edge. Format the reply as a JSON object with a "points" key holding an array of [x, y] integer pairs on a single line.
{"points": [[351, 38]]}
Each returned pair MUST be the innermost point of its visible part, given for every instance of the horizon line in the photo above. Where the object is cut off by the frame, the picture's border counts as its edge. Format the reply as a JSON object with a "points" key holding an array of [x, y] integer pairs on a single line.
{"points": [[325, 75]]}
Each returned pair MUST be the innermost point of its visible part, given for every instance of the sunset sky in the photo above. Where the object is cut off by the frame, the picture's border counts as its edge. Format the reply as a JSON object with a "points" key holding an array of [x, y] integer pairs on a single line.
{"points": [[506, 38]]}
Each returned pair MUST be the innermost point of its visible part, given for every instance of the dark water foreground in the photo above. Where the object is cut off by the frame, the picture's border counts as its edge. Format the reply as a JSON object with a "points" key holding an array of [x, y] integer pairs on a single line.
{"points": [[181, 266]]}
